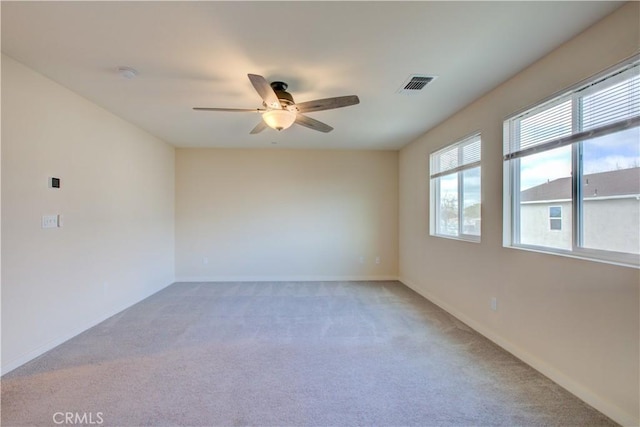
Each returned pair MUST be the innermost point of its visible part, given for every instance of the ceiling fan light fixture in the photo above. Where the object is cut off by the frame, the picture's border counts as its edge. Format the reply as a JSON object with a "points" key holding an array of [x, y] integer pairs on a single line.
{"points": [[281, 111], [279, 119]]}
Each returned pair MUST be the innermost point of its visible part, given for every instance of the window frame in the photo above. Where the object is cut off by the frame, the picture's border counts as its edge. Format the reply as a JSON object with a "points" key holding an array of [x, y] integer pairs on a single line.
{"points": [[434, 181], [556, 218], [511, 167]]}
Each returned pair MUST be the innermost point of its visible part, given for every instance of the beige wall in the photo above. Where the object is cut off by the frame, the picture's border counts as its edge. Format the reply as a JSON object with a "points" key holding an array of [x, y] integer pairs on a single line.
{"points": [[576, 321], [116, 245], [286, 214]]}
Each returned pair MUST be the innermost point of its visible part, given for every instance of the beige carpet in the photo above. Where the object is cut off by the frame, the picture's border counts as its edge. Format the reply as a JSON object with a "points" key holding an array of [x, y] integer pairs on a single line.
{"points": [[286, 354]]}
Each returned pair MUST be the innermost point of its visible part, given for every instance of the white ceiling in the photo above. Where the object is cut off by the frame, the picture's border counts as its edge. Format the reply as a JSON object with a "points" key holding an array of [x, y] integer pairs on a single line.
{"points": [[192, 54]]}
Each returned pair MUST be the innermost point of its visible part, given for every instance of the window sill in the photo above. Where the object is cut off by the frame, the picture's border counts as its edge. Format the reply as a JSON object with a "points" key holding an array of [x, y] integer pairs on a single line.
{"points": [[462, 238], [632, 261]]}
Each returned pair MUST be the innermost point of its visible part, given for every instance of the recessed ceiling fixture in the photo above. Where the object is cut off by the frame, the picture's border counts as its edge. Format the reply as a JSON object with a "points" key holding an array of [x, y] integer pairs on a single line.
{"points": [[127, 72], [280, 110]]}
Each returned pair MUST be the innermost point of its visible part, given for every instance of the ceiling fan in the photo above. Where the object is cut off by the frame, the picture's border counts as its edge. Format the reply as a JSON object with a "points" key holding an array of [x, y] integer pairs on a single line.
{"points": [[280, 110]]}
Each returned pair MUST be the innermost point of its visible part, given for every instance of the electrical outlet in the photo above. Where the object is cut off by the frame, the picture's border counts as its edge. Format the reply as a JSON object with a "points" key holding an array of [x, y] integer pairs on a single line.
{"points": [[494, 303]]}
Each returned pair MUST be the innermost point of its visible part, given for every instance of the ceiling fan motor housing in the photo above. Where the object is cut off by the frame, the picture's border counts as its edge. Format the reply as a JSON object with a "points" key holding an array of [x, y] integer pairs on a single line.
{"points": [[285, 98]]}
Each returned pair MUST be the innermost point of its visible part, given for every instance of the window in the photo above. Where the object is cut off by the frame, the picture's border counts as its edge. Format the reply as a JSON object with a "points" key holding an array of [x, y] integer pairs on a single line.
{"points": [[455, 190], [572, 171], [555, 217]]}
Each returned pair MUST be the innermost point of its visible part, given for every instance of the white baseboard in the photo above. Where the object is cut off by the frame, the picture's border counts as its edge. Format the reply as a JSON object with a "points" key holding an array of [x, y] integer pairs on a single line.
{"points": [[87, 324], [196, 279], [609, 409]]}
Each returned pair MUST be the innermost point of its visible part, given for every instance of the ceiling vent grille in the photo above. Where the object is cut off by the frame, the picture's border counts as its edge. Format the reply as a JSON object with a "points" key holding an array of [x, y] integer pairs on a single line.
{"points": [[415, 83]]}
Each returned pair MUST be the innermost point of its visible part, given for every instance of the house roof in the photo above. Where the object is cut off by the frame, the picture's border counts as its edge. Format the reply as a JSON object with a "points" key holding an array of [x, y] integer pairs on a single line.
{"points": [[604, 184]]}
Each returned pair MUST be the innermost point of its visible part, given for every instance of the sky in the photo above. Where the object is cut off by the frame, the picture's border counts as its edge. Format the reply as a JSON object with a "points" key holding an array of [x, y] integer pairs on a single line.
{"points": [[607, 103], [620, 150]]}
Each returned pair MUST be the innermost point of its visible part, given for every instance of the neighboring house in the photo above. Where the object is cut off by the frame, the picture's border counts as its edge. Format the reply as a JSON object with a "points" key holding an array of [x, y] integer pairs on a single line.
{"points": [[611, 212]]}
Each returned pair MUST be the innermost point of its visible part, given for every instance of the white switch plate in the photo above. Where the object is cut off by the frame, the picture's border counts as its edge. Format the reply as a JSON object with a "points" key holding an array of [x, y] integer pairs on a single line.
{"points": [[49, 221], [494, 303]]}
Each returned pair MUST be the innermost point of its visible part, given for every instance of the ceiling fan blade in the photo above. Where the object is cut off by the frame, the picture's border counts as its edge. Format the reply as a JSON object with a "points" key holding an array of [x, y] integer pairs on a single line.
{"points": [[312, 123], [259, 128], [233, 110], [327, 103], [265, 91]]}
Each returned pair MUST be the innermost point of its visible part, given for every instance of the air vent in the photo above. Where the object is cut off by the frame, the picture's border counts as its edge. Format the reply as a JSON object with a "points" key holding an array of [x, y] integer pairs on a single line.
{"points": [[415, 83]]}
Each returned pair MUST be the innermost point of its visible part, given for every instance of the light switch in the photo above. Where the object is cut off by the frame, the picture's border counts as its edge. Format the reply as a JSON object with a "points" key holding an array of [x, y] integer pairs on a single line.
{"points": [[49, 221]]}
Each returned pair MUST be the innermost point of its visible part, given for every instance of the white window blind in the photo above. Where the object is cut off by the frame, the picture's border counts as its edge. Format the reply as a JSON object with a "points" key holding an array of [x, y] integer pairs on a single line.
{"points": [[462, 155], [608, 105], [542, 126], [576, 158], [619, 102]]}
